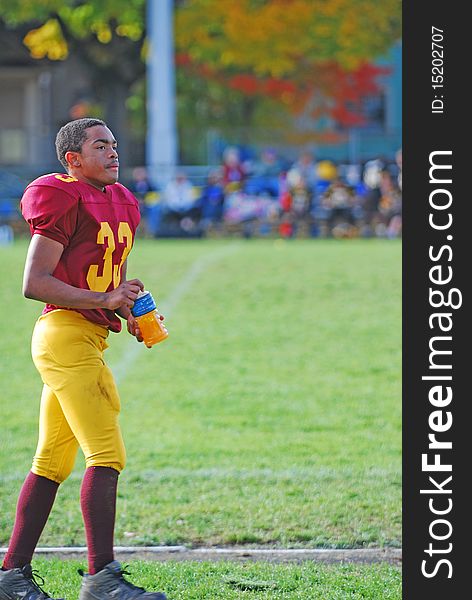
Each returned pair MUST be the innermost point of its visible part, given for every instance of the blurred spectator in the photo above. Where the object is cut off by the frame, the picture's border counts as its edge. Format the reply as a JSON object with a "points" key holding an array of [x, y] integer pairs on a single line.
{"points": [[234, 173], [286, 221], [390, 207], [371, 198], [212, 200], [141, 183], [300, 193], [179, 202], [338, 202], [295, 201], [243, 208], [306, 166], [398, 160], [326, 172], [148, 198], [265, 174]]}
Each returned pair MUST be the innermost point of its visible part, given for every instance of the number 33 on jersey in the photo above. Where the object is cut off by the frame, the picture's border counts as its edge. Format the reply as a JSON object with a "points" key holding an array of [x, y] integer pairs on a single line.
{"points": [[111, 272], [97, 244]]}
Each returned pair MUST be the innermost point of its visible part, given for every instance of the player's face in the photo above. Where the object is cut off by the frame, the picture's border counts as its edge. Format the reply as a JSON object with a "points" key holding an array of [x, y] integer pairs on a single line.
{"points": [[98, 159]]}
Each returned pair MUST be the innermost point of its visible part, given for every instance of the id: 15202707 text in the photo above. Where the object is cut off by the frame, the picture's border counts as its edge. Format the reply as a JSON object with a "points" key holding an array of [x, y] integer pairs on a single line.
{"points": [[437, 70]]}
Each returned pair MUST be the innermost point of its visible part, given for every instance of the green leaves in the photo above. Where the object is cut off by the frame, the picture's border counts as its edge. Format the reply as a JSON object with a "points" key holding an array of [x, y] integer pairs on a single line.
{"points": [[63, 20]]}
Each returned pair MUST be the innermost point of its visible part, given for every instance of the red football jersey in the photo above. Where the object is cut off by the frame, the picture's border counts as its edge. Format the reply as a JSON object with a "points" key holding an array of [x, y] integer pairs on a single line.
{"points": [[96, 228]]}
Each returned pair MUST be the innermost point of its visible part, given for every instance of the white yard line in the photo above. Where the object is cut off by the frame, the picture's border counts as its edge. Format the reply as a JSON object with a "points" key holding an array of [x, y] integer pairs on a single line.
{"points": [[331, 555], [293, 473]]}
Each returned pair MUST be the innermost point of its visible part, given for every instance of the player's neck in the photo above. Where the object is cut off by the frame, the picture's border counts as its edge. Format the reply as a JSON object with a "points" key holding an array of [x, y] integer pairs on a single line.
{"points": [[83, 179]]}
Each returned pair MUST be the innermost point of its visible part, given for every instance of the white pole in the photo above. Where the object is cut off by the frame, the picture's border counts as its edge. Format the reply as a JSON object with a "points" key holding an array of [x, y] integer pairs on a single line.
{"points": [[161, 142]]}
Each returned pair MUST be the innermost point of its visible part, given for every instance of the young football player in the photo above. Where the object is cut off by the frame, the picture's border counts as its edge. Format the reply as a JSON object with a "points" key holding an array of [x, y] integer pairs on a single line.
{"points": [[83, 225]]}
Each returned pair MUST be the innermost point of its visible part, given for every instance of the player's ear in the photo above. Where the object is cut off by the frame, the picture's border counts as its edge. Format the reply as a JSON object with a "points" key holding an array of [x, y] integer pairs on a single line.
{"points": [[73, 159]]}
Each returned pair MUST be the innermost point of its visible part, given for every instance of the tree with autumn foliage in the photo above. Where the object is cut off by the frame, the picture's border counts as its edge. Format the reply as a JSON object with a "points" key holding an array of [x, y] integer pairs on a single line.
{"points": [[107, 38], [311, 57]]}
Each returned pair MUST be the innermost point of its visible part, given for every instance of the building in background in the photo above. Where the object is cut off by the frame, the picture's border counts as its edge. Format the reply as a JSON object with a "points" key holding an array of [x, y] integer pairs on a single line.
{"points": [[35, 100]]}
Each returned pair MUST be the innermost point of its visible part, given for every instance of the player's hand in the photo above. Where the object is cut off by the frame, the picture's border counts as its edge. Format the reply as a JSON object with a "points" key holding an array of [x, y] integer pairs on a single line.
{"points": [[133, 327], [124, 295]]}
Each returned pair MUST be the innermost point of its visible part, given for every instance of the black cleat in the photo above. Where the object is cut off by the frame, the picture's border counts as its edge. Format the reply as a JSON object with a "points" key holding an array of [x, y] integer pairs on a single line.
{"points": [[21, 584], [109, 584]]}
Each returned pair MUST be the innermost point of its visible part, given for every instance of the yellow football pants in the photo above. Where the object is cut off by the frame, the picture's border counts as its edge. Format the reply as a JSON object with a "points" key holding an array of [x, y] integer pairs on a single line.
{"points": [[80, 404]]}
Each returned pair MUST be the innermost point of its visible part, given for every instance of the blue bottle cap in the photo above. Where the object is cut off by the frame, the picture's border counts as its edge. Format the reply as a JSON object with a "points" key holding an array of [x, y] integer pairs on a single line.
{"points": [[143, 304]]}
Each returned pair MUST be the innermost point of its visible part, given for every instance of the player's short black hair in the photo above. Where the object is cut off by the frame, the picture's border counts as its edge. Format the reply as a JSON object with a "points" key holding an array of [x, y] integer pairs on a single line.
{"points": [[71, 136]]}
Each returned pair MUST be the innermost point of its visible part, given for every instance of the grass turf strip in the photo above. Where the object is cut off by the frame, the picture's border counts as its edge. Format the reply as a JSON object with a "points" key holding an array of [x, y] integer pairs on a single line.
{"points": [[228, 581]]}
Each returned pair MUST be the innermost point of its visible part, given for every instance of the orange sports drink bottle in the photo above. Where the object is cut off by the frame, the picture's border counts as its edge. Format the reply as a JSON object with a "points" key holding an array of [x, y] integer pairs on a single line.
{"points": [[151, 327]]}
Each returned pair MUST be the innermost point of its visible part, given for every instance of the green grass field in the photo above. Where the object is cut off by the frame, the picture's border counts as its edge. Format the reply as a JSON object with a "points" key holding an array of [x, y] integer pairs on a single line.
{"points": [[251, 581], [271, 415]]}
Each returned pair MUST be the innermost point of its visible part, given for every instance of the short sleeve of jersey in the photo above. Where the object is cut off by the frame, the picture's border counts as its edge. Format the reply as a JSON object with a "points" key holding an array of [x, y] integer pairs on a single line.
{"points": [[50, 211]]}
